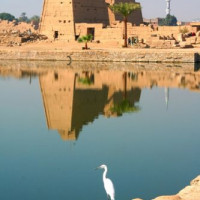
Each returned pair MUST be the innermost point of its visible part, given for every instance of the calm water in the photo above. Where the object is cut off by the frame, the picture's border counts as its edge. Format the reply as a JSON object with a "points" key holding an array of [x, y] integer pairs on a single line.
{"points": [[58, 126]]}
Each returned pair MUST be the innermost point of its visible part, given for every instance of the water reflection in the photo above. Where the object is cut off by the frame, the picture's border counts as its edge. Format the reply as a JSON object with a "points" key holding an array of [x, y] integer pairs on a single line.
{"points": [[75, 96], [167, 97], [72, 99]]}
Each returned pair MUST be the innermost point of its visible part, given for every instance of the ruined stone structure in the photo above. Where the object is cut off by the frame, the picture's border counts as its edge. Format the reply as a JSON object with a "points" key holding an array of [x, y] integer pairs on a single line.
{"points": [[68, 19]]}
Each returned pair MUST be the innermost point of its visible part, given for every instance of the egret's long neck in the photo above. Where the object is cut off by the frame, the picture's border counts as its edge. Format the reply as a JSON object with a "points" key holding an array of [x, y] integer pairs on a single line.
{"points": [[104, 173]]}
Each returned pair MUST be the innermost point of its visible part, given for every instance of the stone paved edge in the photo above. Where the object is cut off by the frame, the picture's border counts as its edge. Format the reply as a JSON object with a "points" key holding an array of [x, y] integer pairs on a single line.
{"points": [[103, 55]]}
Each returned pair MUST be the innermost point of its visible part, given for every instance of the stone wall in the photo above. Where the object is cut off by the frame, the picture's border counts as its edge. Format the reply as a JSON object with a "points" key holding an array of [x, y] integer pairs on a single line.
{"points": [[121, 55], [60, 19], [147, 32], [90, 11], [57, 20], [101, 34]]}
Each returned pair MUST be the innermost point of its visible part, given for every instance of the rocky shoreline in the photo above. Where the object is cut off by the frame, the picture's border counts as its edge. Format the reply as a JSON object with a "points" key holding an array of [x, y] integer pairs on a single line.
{"points": [[190, 192]]}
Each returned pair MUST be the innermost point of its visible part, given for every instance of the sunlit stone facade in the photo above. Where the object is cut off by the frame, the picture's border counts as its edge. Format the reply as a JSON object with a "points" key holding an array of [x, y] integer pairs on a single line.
{"points": [[60, 18]]}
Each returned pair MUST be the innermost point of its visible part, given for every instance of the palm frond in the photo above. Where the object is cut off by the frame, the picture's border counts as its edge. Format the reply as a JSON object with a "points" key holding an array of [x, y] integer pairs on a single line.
{"points": [[85, 38], [124, 9]]}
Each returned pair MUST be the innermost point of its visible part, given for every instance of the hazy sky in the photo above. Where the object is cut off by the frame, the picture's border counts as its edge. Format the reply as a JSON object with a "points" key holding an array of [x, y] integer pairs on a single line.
{"points": [[184, 10]]}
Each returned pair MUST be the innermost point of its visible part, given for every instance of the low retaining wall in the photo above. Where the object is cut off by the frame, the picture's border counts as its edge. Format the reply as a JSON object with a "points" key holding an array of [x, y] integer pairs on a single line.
{"points": [[122, 55]]}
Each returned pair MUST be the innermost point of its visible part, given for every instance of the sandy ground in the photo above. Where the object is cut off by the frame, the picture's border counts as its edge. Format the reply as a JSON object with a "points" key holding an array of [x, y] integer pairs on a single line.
{"points": [[65, 46]]}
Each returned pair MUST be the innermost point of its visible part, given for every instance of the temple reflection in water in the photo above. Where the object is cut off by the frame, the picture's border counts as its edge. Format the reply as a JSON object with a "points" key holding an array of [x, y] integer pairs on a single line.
{"points": [[73, 99]]}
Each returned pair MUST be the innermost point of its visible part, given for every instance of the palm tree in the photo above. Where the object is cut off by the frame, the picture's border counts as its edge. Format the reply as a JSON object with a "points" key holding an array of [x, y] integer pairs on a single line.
{"points": [[125, 9], [85, 39]]}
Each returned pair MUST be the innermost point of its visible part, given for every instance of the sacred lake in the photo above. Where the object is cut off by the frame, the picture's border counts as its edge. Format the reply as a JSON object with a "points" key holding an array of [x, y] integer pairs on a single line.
{"points": [[58, 122]]}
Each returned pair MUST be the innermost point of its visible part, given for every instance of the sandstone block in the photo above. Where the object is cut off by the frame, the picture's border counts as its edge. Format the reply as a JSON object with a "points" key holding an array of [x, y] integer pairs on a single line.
{"points": [[137, 199], [173, 197], [185, 45], [196, 181], [198, 34]]}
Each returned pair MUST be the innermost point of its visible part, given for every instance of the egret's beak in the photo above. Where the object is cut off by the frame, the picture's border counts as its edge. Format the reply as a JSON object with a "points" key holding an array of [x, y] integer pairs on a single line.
{"points": [[97, 168]]}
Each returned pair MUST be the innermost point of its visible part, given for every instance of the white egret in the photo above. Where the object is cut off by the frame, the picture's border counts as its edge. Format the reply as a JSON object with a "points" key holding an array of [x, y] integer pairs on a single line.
{"points": [[108, 185]]}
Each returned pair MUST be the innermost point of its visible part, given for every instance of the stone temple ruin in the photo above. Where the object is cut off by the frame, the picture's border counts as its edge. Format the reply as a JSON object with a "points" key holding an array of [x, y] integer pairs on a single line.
{"points": [[69, 19]]}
